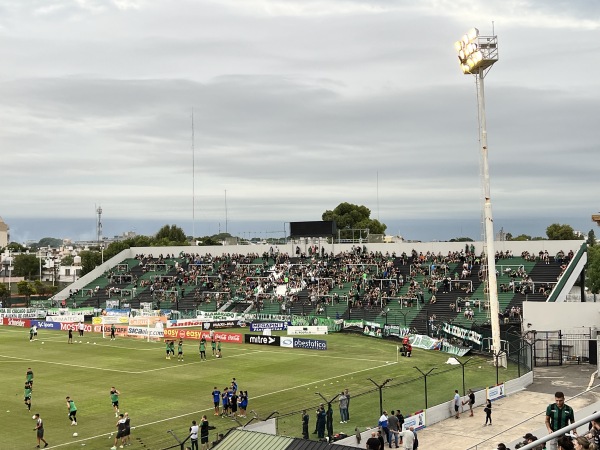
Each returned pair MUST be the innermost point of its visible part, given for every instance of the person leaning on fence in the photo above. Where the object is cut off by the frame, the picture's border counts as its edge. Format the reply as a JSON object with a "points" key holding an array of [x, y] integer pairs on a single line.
{"points": [[558, 415]]}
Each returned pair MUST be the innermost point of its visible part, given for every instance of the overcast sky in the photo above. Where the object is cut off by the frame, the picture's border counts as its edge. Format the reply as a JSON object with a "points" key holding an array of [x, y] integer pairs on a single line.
{"points": [[298, 106]]}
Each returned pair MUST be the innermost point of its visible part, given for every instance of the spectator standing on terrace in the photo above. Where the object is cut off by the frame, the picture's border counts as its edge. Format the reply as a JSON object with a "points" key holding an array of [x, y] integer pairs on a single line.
{"points": [[194, 430], [470, 400], [216, 399], [321, 421], [305, 419], [488, 412], [394, 426], [343, 401], [384, 426], [347, 394], [558, 415], [120, 432], [456, 404], [408, 438], [127, 436], [373, 442], [114, 398]]}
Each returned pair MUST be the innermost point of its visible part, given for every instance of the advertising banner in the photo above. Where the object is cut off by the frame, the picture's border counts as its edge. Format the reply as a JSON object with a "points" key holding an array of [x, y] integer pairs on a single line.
{"points": [[462, 333], [144, 332], [120, 330], [110, 320], [425, 342], [331, 324], [43, 325], [310, 344], [14, 322], [262, 340], [230, 338], [395, 330], [495, 392], [287, 342], [296, 331], [215, 315], [221, 324], [70, 318], [146, 320], [356, 324], [275, 326], [372, 329], [417, 420], [87, 328], [184, 323]]}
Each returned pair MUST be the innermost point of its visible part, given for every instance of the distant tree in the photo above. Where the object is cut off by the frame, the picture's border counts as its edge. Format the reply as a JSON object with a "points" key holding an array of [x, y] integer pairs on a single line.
{"points": [[508, 237], [591, 239], [50, 242], [25, 265], [16, 247], [67, 260], [521, 237], [593, 269], [89, 261], [26, 289], [558, 232], [349, 216], [461, 239], [208, 240], [4, 293], [171, 235]]}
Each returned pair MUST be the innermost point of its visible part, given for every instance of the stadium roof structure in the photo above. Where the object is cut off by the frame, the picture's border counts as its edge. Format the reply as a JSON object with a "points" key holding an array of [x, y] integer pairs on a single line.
{"points": [[253, 440], [596, 218]]}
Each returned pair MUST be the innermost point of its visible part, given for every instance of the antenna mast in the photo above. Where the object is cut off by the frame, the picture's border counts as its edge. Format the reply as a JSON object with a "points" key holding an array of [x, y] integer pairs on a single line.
{"points": [[225, 210], [99, 225], [193, 181]]}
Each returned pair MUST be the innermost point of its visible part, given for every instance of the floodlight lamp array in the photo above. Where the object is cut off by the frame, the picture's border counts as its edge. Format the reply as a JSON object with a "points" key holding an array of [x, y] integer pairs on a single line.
{"points": [[469, 55]]}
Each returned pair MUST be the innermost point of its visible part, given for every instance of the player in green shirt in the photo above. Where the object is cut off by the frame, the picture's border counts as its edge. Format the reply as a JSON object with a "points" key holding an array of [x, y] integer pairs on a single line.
{"points": [[202, 349], [180, 350], [27, 395], [168, 349], [114, 398], [29, 377], [219, 355], [172, 348], [72, 411], [213, 345]]}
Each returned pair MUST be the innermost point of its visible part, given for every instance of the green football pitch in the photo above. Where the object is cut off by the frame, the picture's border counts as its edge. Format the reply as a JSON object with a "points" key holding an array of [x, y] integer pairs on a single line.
{"points": [[162, 395]]}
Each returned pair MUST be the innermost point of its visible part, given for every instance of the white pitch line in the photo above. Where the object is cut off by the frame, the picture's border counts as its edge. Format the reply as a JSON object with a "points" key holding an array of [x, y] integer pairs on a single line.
{"points": [[211, 409], [63, 364]]}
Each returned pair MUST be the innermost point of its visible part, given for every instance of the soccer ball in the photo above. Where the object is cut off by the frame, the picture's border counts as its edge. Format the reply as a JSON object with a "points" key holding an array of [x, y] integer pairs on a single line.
{"points": [[75, 435], [33, 417], [42, 342], [218, 356]]}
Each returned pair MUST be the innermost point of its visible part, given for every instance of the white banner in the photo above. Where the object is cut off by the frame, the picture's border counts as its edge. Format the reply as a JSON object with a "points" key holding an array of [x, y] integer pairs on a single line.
{"points": [[184, 323], [145, 332], [71, 318], [24, 313], [298, 331]]}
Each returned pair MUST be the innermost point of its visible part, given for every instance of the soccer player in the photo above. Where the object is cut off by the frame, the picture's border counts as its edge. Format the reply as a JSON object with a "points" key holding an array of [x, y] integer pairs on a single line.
{"points": [[180, 350], [219, 355], [127, 435], [70, 340], [29, 377], [120, 432], [172, 348], [225, 401], [114, 398], [72, 411], [31, 334], [168, 349], [213, 345], [39, 429], [113, 328], [234, 386], [27, 395], [216, 399], [203, 349]]}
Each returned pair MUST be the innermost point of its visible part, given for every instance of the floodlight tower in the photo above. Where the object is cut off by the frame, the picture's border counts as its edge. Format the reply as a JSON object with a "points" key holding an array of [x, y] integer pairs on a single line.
{"points": [[99, 225], [477, 54]]}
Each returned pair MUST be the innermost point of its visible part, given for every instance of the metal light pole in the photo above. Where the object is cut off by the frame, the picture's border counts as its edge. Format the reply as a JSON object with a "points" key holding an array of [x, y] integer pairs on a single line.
{"points": [[380, 387], [477, 54], [425, 377]]}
